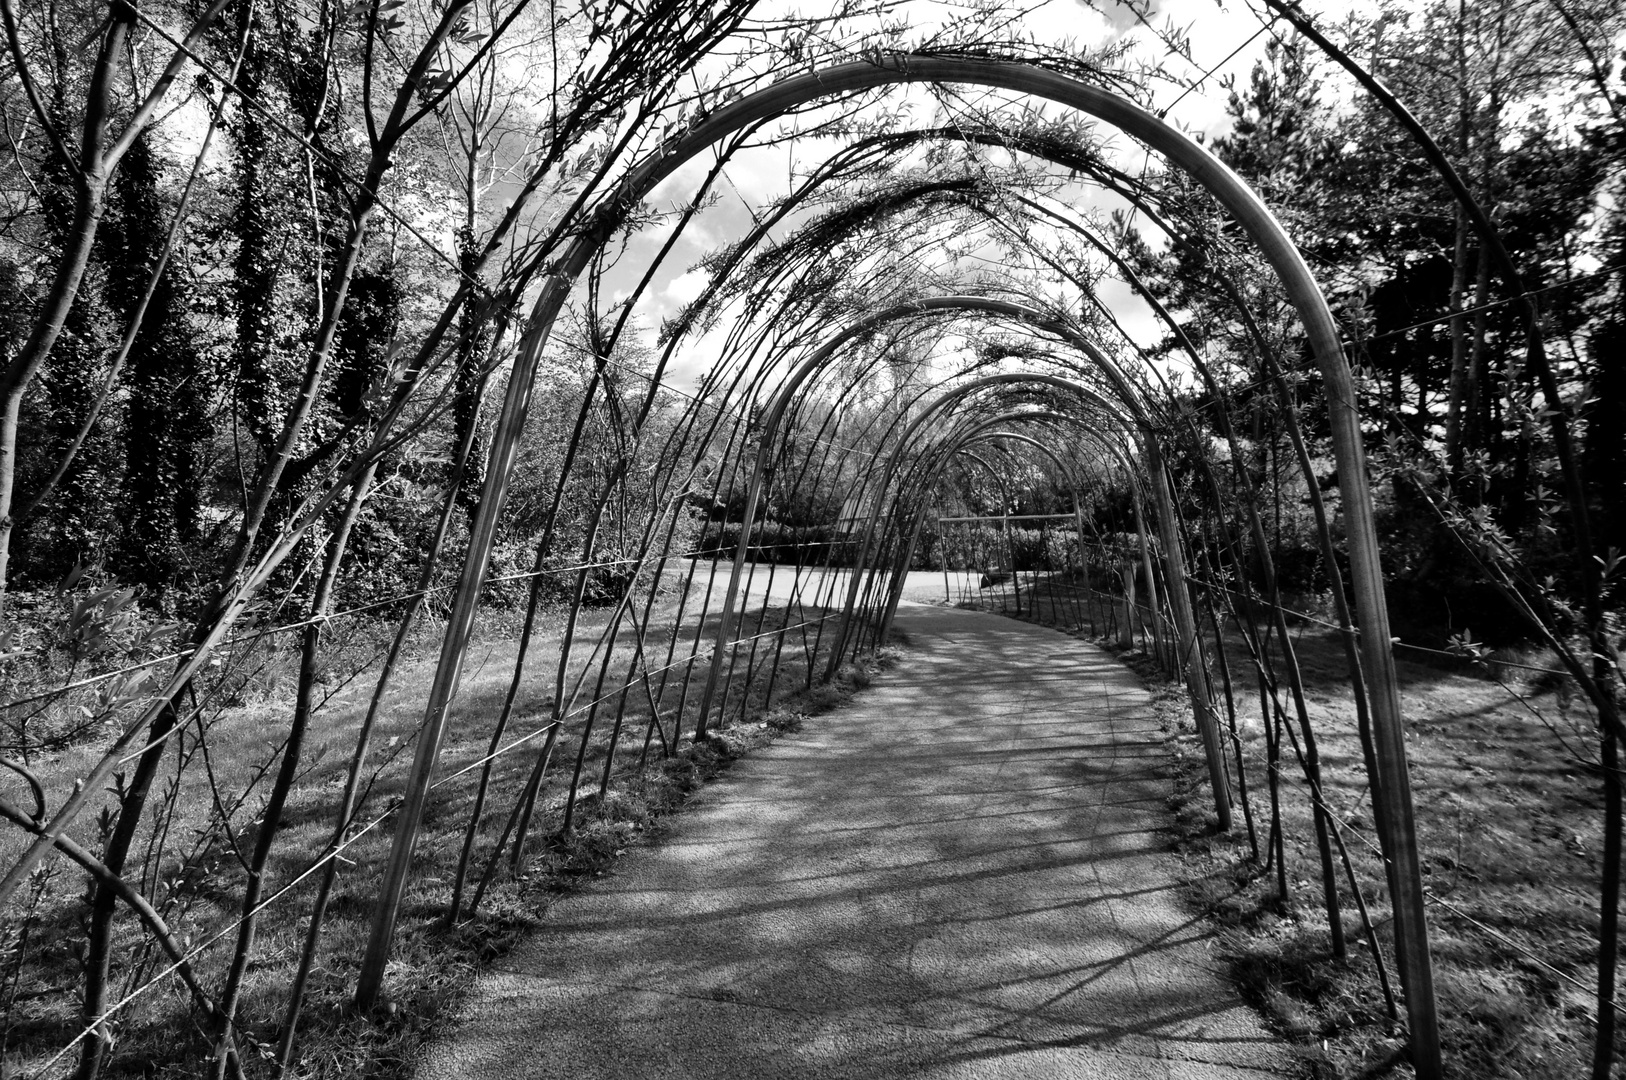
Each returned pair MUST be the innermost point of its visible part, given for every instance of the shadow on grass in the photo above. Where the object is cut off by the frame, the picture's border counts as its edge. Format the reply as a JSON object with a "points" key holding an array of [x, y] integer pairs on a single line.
{"points": [[1508, 807]]}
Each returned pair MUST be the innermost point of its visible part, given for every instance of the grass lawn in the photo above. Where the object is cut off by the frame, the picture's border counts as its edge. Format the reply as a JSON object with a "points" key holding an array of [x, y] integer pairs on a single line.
{"points": [[208, 807], [1509, 812]]}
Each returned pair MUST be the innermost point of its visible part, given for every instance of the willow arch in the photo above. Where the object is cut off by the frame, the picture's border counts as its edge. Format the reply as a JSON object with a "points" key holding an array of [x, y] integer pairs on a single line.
{"points": [[812, 364], [983, 432], [1229, 190], [658, 502], [1137, 418], [1113, 450], [1168, 527]]}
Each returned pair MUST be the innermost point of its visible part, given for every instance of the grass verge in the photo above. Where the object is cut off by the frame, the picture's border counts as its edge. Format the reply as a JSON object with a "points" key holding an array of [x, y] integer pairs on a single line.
{"points": [[1508, 798], [212, 807], [1508, 821]]}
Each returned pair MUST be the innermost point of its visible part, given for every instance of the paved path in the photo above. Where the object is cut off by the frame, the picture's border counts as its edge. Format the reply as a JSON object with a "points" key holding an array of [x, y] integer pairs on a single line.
{"points": [[960, 876]]}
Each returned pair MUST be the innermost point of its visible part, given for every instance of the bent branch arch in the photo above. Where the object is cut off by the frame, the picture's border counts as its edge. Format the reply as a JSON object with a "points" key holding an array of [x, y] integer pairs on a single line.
{"points": [[1281, 254]]}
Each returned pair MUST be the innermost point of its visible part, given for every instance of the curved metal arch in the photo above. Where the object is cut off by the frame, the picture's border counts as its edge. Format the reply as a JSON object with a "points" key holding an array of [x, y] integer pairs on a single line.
{"points": [[929, 480], [1043, 448], [1168, 524], [954, 395], [1050, 154], [979, 432], [975, 200], [1134, 476], [992, 472], [1137, 503], [1099, 439], [966, 303], [1256, 219], [932, 462], [773, 415], [944, 401], [1052, 417], [906, 437], [809, 365]]}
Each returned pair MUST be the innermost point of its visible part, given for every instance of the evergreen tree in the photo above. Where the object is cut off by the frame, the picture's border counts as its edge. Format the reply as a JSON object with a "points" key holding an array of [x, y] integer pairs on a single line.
{"points": [[271, 326], [73, 526], [170, 387]]}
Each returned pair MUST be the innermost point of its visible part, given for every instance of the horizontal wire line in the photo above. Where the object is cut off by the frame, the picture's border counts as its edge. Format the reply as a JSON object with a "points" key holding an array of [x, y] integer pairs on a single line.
{"points": [[1435, 898], [644, 677], [1307, 617], [1344, 827], [209, 942]]}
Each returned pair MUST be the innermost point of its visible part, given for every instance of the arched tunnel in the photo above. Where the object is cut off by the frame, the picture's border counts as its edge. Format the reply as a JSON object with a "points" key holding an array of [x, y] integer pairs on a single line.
{"points": [[1006, 338], [892, 486]]}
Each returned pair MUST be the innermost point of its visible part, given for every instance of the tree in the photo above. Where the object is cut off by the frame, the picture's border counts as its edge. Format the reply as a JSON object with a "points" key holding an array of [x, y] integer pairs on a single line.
{"points": [[89, 169], [171, 386]]}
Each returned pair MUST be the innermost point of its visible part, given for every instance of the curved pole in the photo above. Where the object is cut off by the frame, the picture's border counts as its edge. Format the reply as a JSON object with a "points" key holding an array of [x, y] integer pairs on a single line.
{"points": [[905, 438], [895, 592], [1004, 490], [980, 432], [1152, 597], [814, 362], [884, 69], [1101, 441], [1187, 658], [1179, 598], [1250, 508]]}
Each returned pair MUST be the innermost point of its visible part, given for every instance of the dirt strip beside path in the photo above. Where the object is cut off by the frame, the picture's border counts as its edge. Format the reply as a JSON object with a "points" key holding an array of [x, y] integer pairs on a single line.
{"points": [[962, 875]]}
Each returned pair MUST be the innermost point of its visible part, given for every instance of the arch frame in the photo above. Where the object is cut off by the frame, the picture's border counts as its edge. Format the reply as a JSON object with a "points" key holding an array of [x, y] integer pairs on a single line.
{"points": [[883, 69]]}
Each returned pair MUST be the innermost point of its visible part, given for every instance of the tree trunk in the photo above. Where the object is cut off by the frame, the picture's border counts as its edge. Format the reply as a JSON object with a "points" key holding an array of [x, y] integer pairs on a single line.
{"points": [[1457, 389]]}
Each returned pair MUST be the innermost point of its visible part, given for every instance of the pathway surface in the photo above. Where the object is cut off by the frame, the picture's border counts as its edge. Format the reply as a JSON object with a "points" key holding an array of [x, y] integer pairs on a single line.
{"points": [[960, 876]]}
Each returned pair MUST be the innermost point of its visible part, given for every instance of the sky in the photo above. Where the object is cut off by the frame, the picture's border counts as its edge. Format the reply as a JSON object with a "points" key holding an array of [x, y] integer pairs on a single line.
{"points": [[1222, 36]]}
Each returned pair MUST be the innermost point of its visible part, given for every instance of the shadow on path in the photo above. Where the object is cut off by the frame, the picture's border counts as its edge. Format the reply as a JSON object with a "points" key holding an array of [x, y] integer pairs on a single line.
{"points": [[960, 875]]}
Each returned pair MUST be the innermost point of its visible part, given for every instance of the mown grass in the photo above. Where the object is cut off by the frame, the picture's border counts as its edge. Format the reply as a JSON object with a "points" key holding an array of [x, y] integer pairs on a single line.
{"points": [[209, 819], [1509, 810]]}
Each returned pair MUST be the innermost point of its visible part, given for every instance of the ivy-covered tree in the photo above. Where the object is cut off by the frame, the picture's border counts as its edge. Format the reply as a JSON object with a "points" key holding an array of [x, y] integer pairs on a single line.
{"points": [[74, 524], [169, 383], [270, 215]]}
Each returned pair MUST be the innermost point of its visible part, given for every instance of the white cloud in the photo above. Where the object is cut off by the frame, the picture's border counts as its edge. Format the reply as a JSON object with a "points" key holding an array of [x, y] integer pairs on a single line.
{"points": [[686, 286], [1068, 20]]}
